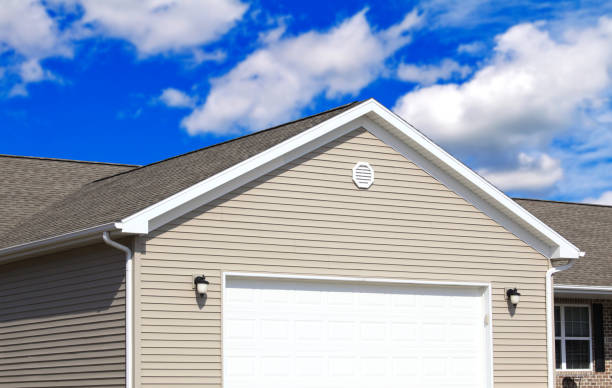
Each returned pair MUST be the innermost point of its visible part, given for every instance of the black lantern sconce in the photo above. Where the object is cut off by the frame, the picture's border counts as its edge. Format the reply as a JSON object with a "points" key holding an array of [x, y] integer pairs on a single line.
{"points": [[513, 296], [201, 285]]}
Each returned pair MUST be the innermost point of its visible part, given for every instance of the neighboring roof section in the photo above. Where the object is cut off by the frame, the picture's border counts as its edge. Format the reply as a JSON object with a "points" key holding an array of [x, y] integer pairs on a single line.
{"points": [[29, 184], [588, 226], [119, 196]]}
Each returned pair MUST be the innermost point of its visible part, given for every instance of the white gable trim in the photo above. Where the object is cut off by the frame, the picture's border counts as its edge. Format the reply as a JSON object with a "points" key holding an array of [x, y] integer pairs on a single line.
{"points": [[391, 129]]}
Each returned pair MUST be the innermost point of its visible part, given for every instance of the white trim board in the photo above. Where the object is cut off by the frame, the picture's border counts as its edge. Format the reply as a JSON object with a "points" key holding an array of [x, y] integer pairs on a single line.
{"points": [[486, 296], [394, 131], [391, 129], [578, 290]]}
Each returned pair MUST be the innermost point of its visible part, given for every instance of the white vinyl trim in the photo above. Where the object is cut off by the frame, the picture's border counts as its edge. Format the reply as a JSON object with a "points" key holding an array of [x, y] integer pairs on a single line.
{"points": [[63, 240], [457, 176], [577, 289], [129, 308], [515, 218], [487, 297]]}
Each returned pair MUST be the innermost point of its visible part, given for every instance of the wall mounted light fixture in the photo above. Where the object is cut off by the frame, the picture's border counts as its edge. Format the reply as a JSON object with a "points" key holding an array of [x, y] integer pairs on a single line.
{"points": [[513, 296], [201, 284]]}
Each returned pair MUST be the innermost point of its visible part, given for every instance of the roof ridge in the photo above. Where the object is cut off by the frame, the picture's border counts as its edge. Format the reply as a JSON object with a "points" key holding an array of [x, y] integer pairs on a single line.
{"points": [[564, 202], [66, 160], [232, 140]]}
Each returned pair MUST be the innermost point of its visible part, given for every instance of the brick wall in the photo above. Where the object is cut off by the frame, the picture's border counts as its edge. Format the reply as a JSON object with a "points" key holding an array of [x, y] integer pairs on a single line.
{"points": [[591, 379]]}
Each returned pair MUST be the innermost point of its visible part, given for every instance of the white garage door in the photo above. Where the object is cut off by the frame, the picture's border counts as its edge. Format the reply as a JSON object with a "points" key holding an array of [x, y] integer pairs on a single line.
{"points": [[317, 334]]}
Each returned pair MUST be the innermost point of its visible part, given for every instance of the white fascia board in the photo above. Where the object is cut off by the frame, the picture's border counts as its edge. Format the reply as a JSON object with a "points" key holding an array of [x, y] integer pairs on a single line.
{"points": [[561, 248], [578, 289], [64, 240], [201, 193], [387, 126]]}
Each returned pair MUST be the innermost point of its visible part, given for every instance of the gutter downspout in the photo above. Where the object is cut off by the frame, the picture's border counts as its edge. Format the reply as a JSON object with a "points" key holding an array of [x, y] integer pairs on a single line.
{"points": [[129, 302], [550, 320]]}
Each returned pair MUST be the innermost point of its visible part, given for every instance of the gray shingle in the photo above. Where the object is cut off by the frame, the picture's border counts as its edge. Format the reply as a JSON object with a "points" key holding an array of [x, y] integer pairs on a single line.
{"points": [[29, 184], [589, 227], [113, 198]]}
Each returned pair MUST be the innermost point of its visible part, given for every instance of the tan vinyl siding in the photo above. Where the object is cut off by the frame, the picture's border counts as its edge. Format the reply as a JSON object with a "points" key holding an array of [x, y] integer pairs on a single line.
{"points": [[62, 320], [309, 218]]}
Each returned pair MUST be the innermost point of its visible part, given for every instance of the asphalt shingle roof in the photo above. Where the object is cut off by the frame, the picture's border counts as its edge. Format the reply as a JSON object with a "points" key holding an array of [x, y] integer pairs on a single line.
{"points": [[43, 198], [30, 184], [589, 227], [106, 199]]}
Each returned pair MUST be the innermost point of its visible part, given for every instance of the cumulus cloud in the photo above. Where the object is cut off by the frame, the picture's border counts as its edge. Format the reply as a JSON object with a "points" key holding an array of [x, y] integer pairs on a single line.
{"points": [[30, 30], [276, 81], [27, 29], [533, 173], [604, 199], [174, 98], [471, 48], [533, 85], [158, 26], [27, 35], [533, 90], [430, 74]]}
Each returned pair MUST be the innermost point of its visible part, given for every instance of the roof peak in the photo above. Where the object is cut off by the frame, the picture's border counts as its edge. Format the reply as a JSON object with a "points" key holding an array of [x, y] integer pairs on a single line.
{"points": [[66, 160]]}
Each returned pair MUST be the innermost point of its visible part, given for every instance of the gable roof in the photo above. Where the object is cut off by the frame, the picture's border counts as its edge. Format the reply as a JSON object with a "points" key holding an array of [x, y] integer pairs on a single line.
{"points": [[142, 199], [108, 199], [589, 226], [30, 184]]}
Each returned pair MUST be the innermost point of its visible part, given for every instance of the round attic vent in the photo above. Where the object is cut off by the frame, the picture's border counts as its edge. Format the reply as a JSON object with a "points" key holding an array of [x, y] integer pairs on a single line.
{"points": [[363, 175]]}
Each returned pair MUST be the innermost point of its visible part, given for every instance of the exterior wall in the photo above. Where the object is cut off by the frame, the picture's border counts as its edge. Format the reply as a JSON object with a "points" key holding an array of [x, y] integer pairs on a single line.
{"points": [[309, 218], [62, 320], [566, 379]]}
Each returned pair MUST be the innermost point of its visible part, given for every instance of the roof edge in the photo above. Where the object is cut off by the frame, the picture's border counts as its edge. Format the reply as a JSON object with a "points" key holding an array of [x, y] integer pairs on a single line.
{"points": [[561, 202], [68, 160], [25, 250], [562, 248], [157, 214], [368, 111], [582, 289]]}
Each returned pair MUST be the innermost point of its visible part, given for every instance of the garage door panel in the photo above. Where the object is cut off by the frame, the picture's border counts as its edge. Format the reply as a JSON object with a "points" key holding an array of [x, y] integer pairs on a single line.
{"points": [[282, 333]]}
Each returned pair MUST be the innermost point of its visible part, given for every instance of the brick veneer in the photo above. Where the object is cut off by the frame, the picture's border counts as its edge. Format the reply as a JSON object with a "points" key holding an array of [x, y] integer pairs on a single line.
{"points": [[591, 379]]}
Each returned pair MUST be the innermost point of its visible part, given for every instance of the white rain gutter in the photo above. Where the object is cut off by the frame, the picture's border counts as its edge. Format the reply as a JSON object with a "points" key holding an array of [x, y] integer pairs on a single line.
{"points": [[129, 303], [550, 320]]}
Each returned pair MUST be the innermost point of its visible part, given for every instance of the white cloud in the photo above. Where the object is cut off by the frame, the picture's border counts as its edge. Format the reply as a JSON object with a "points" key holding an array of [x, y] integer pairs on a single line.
{"points": [[176, 99], [533, 90], [471, 48], [532, 86], [533, 173], [604, 199], [27, 35], [32, 71], [275, 82], [158, 26], [430, 74], [30, 32], [27, 29]]}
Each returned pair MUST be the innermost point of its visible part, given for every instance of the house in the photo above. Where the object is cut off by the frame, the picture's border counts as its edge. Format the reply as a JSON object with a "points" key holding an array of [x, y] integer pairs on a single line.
{"points": [[344, 248], [583, 293]]}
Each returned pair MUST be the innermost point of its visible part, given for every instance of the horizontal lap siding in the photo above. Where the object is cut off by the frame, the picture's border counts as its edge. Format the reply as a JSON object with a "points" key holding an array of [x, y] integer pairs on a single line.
{"points": [[308, 218], [62, 320]]}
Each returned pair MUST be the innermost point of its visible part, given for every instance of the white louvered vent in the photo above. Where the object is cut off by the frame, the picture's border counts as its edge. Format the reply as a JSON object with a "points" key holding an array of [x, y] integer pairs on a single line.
{"points": [[363, 175]]}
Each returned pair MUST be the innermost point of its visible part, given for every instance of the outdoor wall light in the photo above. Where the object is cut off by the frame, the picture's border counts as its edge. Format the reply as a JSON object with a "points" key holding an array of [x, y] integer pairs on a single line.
{"points": [[513, 296], [201, 285]]}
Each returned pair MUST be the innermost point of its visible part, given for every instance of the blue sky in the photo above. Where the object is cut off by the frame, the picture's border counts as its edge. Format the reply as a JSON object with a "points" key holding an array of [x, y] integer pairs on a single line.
{"points": [[520, 91]]}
